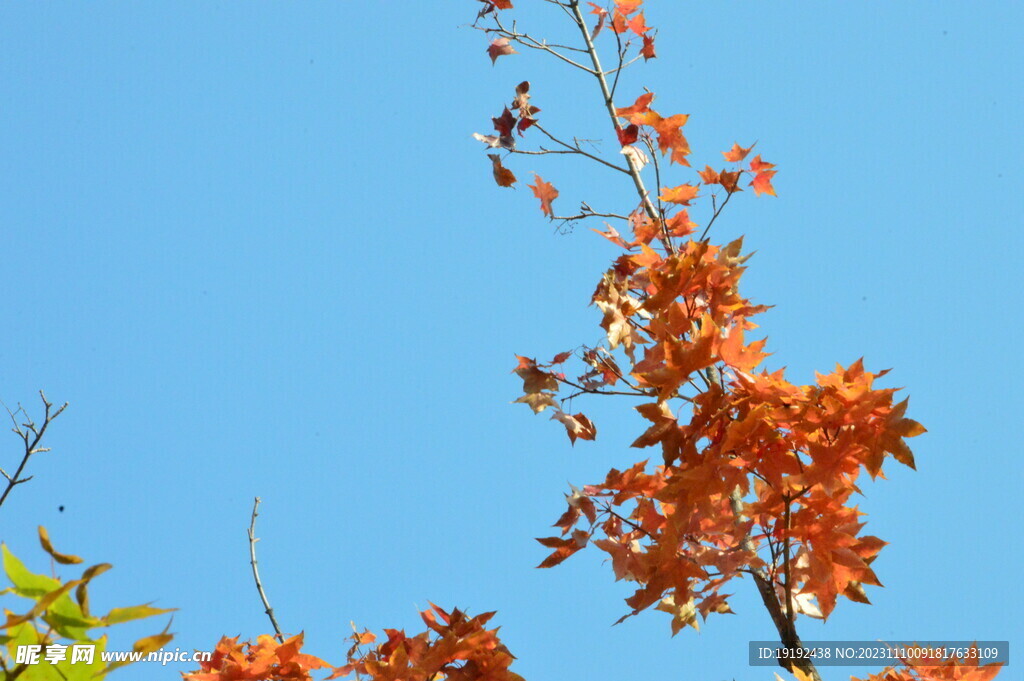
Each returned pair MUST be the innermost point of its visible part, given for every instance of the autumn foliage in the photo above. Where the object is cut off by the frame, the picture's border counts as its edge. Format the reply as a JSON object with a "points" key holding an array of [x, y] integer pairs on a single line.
{"points": [[746, 475], [455, 647], [755, 476], [264, 660]]}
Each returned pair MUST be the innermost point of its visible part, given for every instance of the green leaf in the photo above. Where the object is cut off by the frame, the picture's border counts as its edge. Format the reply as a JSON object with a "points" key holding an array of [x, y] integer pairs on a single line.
{"points": [[135, 612], [26, 583], [43, 603]]}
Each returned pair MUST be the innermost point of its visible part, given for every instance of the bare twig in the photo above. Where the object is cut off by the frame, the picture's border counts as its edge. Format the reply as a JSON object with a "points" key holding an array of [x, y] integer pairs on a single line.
{"points": [[587, 212], [718, 210], [563, 7], [657, 179], [583, 390], [584, 215], [527, 40], [618, 69], [575, 148], [256, 573], [621, 67], [31, 437]]}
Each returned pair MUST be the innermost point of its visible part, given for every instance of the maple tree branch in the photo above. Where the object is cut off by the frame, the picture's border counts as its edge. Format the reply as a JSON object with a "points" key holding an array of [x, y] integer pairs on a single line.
{"points": [[615, 370], [542, 151], [576, 149], [786, 567], [657, 180], [583, 216], [562, 6], [622, 66], [256, 573], [785, 627], [718, 210], [587, 212], [31, 437], [609, 102], [594, 391], [527, 40], [608, 509], [618, 69], [772, 551]]}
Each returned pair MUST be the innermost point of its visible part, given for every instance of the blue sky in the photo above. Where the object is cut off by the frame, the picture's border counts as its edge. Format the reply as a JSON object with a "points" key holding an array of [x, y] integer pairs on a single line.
{"points": [[256, 248]]}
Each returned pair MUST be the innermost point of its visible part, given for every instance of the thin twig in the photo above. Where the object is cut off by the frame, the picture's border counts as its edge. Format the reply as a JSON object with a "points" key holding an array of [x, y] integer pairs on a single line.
{"points": [[623, 66], [31, 437], [587, 212], [608, 509], [718, 211], [594, 391], [618, 69], [575, 148], [563, 7], [527, 40], [256, 573], [582, 216], [657, 180]]}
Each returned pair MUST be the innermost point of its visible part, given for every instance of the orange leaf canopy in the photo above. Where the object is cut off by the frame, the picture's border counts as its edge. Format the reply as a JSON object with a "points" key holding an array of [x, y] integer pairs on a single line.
{"points": [[455, 647], [265, 660]]}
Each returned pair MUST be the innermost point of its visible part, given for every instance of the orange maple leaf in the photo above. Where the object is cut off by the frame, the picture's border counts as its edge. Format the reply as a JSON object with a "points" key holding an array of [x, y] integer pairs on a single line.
{"points": [[546, 192], [757, 165], [762, 183], [737, 153], [709, 175], [628, 6], [638, 25], [669, 131], [681, 195], [641, 105]]}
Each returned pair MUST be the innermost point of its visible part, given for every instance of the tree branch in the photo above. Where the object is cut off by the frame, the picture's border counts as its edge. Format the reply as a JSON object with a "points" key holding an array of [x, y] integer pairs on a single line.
{"points": [[609, 103], [529, 41], [587, 212], [31, 437], [783, 625], [718, 211], [594, 391], [256, 573], [576, 149]]}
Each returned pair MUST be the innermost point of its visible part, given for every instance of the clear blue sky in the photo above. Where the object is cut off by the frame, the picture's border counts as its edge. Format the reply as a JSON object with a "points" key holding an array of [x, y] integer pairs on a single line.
{"points": [[255, 247]]}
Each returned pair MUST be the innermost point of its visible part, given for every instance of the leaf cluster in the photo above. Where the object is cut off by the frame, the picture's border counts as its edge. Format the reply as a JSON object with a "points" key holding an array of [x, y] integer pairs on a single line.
{"points": [[59, 615]]}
